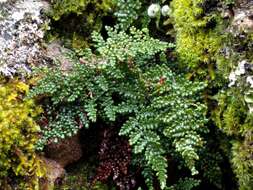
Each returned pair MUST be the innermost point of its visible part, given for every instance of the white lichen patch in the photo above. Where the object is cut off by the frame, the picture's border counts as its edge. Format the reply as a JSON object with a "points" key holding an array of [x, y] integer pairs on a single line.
{"points": [[242, 78], [239, 72], [21, 35]]}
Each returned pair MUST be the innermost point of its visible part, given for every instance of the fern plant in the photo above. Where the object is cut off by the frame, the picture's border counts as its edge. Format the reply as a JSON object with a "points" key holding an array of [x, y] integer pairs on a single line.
{"points": [[185, 184], [125, 83], [171, 111], [127, 11]]}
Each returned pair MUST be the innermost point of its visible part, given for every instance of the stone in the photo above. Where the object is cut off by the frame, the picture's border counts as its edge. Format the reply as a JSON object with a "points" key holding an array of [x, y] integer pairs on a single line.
{"points": [[21, 35], [243, 17], [66, 151], [54, 171], [57, 53]]}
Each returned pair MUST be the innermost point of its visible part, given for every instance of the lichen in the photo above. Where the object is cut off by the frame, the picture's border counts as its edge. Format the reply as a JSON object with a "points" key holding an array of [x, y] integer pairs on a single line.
{"points": [[235, 101], [21, 35]]}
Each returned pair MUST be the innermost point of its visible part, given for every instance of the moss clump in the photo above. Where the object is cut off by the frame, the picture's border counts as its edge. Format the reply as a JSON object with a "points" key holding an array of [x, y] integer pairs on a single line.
{"points": [[231, 113], [79, 7], [198, 39], [18, 134], [75, 20], [233, 118], [242, 162]]}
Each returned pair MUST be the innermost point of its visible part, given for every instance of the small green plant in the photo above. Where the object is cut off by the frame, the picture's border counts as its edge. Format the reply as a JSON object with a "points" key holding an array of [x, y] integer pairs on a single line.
{"points": [[185, 184], [127, 11], [173, 114]]}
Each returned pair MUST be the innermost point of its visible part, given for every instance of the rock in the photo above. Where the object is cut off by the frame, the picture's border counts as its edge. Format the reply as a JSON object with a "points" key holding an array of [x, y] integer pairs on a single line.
{"points": [[243, 17], [243, 3], [54, 171], [66, 151], [58, 54], [243, 21], [21, 36], [57, 156]]}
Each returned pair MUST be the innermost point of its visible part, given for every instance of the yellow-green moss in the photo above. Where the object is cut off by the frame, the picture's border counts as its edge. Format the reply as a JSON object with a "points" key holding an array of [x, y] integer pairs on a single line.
{"points": [[198, 48], [233, 118], [64, 7], [242, 162], [197, 35], [186, 14], [76, 19], [231, 113], [18, 134]]}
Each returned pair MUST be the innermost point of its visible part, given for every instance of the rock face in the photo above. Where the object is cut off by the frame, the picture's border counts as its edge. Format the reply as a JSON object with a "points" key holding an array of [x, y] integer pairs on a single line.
{"points": [[66, 151], [243, 18], [57, 156], [54, 171], [22, 30], [241, 28], [58, 54]]}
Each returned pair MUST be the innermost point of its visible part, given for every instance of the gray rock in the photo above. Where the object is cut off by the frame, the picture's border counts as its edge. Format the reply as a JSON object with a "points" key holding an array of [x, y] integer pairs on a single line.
{"points": [[59, 54], [21, 35], [243, 17], [54, 171]]}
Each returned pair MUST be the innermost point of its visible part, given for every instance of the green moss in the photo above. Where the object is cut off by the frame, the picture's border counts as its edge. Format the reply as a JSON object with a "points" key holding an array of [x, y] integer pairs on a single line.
{"points": [[198, 38], [200, 48], [74, 21], [188, 15], [233, 118], [18, 134], [242, 162], [79, 7], [231, 113], [78, 178]]}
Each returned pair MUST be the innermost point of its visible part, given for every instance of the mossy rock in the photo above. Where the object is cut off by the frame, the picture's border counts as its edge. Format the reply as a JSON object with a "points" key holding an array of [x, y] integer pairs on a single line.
{"points": [[74, 21], [79, 177]]}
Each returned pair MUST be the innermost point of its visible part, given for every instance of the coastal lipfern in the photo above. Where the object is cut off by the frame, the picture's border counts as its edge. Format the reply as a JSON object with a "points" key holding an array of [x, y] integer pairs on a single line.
{"points": [[124, 83]]}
